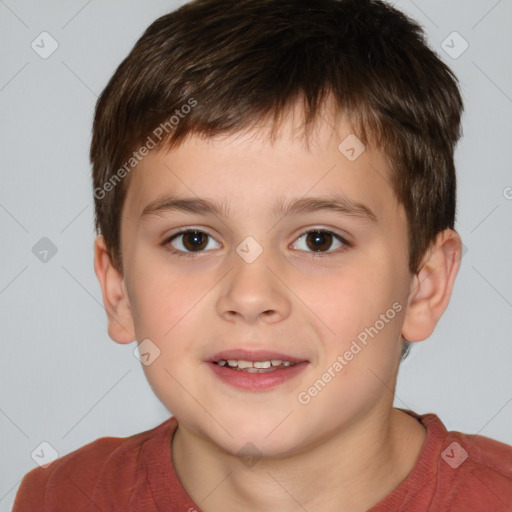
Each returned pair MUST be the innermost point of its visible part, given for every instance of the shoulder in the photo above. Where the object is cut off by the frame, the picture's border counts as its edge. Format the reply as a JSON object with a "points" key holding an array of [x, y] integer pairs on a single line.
{"points": [[75, 477], [486, 457], [473, 471]]}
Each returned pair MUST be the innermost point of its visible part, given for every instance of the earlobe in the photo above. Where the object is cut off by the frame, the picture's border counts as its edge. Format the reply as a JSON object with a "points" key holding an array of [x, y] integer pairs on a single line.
{"points": [[115, 296], [432, 286]]}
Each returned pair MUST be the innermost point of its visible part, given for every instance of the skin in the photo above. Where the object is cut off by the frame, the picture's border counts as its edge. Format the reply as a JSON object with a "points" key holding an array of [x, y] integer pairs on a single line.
{"points": [[347, 448]]}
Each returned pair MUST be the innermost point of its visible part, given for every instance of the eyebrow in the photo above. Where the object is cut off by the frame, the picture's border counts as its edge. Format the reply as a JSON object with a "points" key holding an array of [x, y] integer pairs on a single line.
{"points": [[282, 207]]}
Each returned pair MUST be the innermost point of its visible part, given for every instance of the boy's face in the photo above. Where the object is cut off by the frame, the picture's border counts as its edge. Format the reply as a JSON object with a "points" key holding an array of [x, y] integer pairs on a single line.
{"points": [[255, 284]]}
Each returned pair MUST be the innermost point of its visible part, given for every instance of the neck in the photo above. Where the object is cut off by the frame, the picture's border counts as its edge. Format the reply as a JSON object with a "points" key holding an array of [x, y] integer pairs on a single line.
{"points": [[351, 471]]}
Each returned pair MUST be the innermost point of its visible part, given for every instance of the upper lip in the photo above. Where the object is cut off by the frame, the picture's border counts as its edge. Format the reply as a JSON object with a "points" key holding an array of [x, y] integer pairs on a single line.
{"points": [[253, 356]]}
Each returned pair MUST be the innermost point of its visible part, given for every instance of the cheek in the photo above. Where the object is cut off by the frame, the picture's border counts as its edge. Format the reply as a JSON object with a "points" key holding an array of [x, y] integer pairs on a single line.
{"points": [[168, 308], [351, 299], [162, 297], [363, 313]]}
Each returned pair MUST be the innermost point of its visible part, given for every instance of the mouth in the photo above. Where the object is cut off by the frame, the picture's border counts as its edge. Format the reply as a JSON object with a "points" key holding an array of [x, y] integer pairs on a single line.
{"points": [[241, 365], [255, 371]]}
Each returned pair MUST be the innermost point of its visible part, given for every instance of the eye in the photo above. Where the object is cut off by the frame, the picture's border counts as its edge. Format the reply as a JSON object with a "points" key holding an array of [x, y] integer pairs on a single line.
{"points": [[321, 240], [189, 241]]}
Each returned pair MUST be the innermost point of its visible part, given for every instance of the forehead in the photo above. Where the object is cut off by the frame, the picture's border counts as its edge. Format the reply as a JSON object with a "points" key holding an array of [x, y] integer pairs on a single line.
{"points": [[248, 173]]}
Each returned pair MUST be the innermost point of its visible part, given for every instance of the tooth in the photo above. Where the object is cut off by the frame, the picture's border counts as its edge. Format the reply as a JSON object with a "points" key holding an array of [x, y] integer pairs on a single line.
{"points": [[286, 363], [222, 363], [244, 364], [262, 364], [276, 362], [252, 369], [232, 362]]}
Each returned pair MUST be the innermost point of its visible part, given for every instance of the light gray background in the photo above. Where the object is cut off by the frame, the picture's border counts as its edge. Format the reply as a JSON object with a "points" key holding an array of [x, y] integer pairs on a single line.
{"points": [[63, 381]]}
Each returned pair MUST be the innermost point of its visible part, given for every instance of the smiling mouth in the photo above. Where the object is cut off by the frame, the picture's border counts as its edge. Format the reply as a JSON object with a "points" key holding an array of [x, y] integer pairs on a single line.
{"points": [[254, 367], [256, 370]]}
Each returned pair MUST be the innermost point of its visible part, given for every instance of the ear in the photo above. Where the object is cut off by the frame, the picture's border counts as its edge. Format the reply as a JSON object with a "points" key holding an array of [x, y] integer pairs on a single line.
{"points": [[431, 287], [115, 296]]}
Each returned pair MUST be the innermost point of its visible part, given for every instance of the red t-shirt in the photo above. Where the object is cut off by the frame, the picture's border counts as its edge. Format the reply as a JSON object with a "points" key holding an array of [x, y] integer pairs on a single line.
{"points": [[455, 472]]}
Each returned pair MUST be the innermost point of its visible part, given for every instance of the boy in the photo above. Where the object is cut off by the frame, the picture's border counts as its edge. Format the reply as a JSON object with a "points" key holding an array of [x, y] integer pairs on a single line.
{"points": [[275, 196]]}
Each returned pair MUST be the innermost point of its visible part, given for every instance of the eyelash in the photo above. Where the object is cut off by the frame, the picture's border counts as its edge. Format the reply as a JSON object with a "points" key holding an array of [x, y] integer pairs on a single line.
{"points": [[312, 254]]}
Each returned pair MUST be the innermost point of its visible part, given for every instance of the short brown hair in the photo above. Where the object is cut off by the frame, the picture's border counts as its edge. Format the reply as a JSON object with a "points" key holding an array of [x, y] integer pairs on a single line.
{"points": [[243, 61]]}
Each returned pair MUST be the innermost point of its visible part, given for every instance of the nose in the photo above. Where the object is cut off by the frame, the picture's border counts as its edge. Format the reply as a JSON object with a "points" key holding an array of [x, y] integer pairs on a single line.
{"points": [[254, 291]]}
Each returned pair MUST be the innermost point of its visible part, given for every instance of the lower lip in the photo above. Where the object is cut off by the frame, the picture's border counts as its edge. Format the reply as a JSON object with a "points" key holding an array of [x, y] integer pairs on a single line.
{"points": [[257, 381]]}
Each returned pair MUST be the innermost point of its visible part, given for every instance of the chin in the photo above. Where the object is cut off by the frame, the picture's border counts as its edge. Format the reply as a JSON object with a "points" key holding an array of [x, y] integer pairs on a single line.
{"points": [[253, 438], [257, 447]]}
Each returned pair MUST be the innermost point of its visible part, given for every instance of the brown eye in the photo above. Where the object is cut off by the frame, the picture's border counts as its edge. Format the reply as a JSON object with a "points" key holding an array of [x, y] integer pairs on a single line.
{"points": [[194, 240], [321, 241], [190, 241]]}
